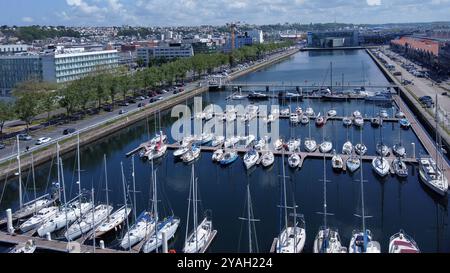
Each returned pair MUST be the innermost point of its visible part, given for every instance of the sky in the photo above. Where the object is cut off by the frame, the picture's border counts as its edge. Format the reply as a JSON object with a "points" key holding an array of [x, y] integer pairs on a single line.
{"points": [[218, 12]]}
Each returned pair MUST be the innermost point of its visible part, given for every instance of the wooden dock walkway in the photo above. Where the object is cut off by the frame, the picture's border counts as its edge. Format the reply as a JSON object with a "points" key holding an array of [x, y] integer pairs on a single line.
{"points": [[426, 141], [57, 246]]}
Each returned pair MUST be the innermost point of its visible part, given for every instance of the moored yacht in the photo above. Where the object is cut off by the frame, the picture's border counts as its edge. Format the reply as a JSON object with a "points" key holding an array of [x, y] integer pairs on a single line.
{"points": [[402, 243], [347, 148], [251, 158], [380, 165], [432, 176]]}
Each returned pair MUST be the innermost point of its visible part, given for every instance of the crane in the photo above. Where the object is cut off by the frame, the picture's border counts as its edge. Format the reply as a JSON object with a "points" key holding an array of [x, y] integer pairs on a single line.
{"points": [[232, 27]]}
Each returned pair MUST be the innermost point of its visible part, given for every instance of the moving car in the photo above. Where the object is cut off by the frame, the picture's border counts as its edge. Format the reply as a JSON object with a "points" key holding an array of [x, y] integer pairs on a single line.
{"points": [[25, 137], [69, 131], [121, 112], [43, 140]]}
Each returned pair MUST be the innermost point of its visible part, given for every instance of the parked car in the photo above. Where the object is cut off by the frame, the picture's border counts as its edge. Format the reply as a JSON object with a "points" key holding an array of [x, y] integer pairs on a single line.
{"points": [[2, 146], [24, 137], [132, 101], [43, 140], [124, 103], [69, 131], [141, 104], [155, 99], [108, 108], [425, 99], [121, 112]]}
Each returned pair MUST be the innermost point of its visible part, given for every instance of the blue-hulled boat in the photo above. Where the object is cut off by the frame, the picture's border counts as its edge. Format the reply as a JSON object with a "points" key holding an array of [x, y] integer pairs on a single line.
{"points": [[228, 158]]}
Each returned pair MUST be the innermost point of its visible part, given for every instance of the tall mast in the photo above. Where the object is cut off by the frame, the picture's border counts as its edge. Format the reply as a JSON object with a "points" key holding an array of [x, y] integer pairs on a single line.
{"points": [[155, 204], [106, 183], [125, 201], [93, 218], [363, 213], [284, 196], [250, 247], [134, 187], [331, 76], [79, 164], [20, 174], [64, 192], [195, 209], [34, 177]]}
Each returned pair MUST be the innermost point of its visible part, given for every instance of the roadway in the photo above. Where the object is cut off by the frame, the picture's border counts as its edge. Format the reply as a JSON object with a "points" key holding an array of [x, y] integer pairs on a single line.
{"points": [[56, 132]]}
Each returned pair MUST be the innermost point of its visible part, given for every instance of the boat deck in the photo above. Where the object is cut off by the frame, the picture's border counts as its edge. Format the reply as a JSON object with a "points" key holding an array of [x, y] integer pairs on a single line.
{"points": [[57, 246], [206, 246]]}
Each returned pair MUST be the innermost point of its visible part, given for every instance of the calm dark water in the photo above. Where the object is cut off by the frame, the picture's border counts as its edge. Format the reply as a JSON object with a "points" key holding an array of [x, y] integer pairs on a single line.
{"points": [[394, 204]]}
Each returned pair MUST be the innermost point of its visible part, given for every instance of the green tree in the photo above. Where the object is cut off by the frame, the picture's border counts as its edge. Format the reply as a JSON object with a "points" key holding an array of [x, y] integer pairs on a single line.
{"points": [[6, 113], [27, 107]]}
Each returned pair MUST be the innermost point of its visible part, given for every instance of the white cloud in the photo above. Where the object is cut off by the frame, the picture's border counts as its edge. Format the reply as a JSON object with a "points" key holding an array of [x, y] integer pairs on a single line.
{"points": [[27, 19], [373, 2], [83, 6]]}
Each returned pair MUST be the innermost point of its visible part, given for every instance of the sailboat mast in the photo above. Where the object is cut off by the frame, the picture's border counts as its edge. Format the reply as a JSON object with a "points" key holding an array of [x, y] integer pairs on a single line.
{"points": [[134, 187], [284, 196], [20, 174], [106, 182], [125, 200], [250, 248], [324, 193], [155, 204], [331, 76], [93, 219], [363, 213], [79, 164], [64, 192], [34, 177], [195, 211]]}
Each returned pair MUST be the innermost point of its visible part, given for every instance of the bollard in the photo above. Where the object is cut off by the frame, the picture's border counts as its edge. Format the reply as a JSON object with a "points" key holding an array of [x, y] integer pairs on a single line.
{"points": [[9, 221], [102, 244], [414, 149], [164, 242], [48, 236]]}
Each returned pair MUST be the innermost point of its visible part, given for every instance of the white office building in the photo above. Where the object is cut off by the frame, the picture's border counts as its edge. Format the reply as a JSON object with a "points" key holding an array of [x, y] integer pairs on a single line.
{"points": [[59, 66], [13, 49], [169, 51]]}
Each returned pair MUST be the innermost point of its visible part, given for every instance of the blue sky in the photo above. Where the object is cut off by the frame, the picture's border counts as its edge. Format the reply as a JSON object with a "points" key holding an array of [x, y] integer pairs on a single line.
{"points": [[218, 12]]}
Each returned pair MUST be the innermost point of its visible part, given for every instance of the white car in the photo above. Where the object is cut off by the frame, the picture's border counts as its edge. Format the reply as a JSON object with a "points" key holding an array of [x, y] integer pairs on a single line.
{"points": [[43, 140]]}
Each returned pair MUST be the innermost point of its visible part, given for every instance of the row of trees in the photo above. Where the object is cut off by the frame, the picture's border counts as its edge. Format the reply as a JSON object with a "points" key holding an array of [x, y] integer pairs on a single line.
{"points": [[34, 97]]}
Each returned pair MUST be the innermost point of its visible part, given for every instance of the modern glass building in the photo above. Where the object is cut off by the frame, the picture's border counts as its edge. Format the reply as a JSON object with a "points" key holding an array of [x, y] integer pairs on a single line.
{"points": [[16, 69], [54, 67]]}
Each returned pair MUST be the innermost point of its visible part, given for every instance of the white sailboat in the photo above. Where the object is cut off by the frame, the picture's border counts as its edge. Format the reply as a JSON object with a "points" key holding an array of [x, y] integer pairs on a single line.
{"points": [[169, 225], [202, 234], [347, 148], [337, 162], [402, 243], [217, 141], [310, 143], [217, 155], [325, 147], [193, 153], [251, 158], [293, 235], [327, 239], [294, 160], [268, 159], [361, 241], [353, 163]]}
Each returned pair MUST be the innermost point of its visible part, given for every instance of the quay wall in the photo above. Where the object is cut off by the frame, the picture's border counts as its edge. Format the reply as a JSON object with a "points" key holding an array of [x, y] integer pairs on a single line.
{"points": [[7, 169]]}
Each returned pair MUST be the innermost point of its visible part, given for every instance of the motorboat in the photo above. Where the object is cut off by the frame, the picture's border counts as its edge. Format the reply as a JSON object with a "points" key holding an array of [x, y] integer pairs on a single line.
{"points": [[285, 112], [267, 159], [358, 121], [400, 114], [180, 151], [325, 147], [304, 119], [332, 113], [347, 121], [230, 142], [383, 113], [217, 141], [238, 97], [192, 154], [217, 155], [353, 163], [257, 96], [293, 144], [278, 144], [337, 162], [310, 145], [347, 148], [169, 226], [432, 176], [294, 118], [376, 122], [357, 114], [142, 229], [249, 140], [39, 218], [404, 123], [228, 158], [381, 166], [402, 243], [399, 150], [361, 242], [399, 167], [206, 138], [309, 112], [382, 149], [88, 222], [294, 160], [320, 121], [251, 158], [360, 149], [260, 144]]}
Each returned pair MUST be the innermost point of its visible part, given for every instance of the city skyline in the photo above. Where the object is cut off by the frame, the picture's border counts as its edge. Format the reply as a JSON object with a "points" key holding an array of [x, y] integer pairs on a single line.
{"points": [[219, 12]]}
